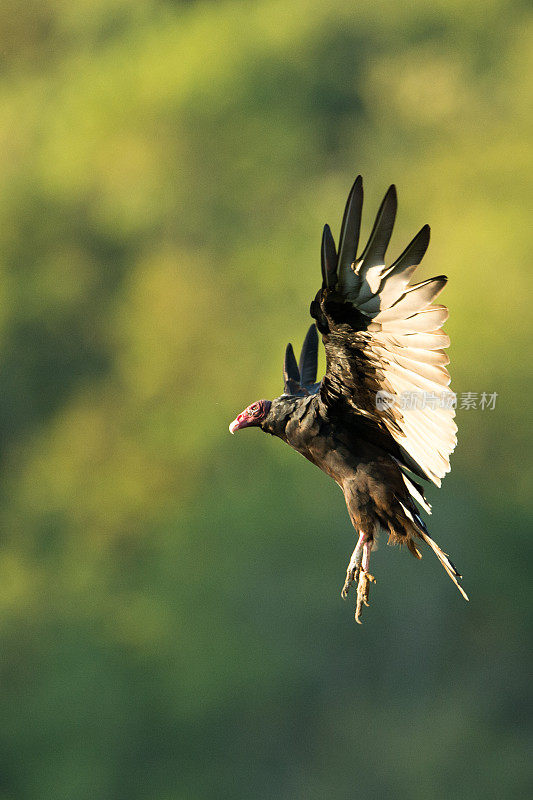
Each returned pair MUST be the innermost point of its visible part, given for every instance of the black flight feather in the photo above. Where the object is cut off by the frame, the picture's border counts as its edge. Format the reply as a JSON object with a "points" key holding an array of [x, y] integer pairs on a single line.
{"points": [[291, 374], [309, 357], [351, 226], [413, 253], [329, 258], [374, 252]]}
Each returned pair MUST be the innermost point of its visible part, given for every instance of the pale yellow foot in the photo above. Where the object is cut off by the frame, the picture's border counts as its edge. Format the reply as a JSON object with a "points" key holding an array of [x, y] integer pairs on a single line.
{"points": [[363, 592], [352, 575]]}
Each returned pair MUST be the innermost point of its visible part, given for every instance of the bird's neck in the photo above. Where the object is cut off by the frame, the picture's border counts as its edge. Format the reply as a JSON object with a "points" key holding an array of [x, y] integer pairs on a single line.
{"points": [[283, 409]]}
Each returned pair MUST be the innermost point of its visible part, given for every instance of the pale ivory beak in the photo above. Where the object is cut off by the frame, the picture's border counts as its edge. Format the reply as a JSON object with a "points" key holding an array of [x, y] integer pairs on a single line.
{"points": [[239, 422]]}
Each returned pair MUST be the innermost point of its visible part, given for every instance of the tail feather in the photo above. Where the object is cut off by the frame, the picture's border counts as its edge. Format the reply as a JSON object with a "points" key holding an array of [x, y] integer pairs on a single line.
{"points": [[445, 561]]}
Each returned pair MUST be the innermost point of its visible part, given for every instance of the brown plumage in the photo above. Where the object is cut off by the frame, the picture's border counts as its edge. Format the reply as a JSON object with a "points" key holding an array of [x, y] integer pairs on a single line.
{"points": [[382, 337]]}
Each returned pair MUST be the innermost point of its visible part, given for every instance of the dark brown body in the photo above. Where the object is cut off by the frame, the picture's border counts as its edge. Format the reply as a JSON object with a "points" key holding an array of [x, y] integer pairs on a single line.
{"points": [[370, 478]]}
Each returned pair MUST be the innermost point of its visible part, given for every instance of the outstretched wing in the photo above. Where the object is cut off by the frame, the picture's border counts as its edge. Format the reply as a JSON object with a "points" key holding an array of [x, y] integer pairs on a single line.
{"points": [[383, 335], [300, 379]]}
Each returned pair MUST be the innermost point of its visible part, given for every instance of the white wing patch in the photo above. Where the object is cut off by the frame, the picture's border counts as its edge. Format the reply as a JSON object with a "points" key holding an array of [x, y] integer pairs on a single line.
{"points": [[408, 343]]}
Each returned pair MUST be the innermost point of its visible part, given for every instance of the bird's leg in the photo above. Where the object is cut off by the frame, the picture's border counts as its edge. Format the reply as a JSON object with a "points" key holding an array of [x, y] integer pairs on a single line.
{"points": [[354, 566], [364, 580]]}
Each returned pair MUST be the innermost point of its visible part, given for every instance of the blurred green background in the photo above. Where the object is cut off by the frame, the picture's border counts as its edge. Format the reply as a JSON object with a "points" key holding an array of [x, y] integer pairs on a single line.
{"points": [[170, 619]]}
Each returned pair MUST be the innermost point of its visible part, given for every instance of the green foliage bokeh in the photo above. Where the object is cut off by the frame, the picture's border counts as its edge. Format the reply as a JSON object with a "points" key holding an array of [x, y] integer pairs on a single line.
{"points": [[170, 620]]}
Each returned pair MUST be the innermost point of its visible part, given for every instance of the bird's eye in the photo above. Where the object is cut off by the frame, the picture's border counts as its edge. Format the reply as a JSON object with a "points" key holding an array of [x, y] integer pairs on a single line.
{"points": [[255, 408]]}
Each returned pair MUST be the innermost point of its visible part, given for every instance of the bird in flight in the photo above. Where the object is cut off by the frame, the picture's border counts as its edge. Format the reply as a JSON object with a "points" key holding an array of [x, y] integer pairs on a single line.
{"points": [[383, 340]]}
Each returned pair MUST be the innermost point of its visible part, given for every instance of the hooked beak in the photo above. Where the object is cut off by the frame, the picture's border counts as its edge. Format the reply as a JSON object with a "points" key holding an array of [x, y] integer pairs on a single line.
{"points": [[242, 421]]}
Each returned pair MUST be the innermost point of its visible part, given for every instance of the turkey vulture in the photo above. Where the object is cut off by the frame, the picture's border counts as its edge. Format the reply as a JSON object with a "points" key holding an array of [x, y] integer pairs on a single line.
{"points": [[383, 342]]}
